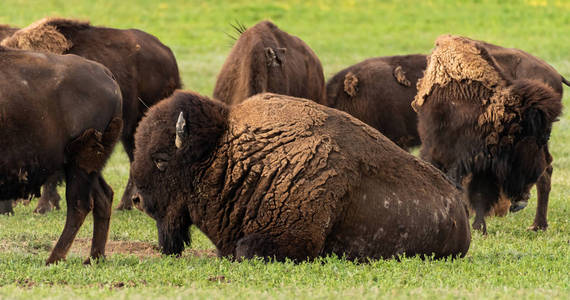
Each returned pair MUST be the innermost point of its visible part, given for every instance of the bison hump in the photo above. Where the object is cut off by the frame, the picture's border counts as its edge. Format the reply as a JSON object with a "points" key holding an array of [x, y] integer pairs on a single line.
{"points": [[43, 35]]}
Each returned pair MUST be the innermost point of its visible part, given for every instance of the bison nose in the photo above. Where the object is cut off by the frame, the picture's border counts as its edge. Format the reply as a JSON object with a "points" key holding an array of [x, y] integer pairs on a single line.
{"points": [[519, 205]]}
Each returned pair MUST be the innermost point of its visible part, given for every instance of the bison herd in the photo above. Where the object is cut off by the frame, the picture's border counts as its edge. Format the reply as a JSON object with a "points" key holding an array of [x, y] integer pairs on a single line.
{"points": [[279, 164]]}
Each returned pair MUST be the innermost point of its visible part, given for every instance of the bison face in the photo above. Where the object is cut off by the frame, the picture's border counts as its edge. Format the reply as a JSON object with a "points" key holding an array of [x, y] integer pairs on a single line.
{"points": [[173, 145], [540, 107], [159, 185]]}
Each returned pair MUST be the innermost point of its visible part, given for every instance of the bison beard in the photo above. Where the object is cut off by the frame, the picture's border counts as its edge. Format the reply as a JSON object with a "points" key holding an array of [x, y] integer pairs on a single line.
{"points": [[281, 177], [475, 121]]}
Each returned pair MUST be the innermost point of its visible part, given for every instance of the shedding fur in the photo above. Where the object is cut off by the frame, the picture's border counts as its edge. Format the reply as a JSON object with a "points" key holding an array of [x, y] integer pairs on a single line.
{"points": [[43, 35], [457, 58], [350, 84], [400, 76], [476, 121]]}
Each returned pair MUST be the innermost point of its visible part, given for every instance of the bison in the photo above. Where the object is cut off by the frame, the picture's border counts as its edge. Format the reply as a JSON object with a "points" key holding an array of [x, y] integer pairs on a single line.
{"points": [[379, 92], [145, 69], [282, 177], [481, 126], [59, 113], [267, 59]]}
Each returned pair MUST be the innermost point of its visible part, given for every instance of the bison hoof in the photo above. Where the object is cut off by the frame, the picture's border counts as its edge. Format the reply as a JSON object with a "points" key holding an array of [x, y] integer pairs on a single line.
{"points": [[537, 227], [42, 209], [124, 206], [480, 226], [517, 206], [53, 260]]}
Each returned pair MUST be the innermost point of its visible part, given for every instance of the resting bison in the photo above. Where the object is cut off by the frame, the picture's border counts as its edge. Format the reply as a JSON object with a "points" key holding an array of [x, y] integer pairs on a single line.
{"points": [[284, 177], [59, 113], [476, 121], [267, 59], [145, 69], [378, 91]]}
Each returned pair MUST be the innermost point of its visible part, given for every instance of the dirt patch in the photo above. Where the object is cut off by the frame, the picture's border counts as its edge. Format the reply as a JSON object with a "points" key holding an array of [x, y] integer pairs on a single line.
{"points": [[82, 247]]}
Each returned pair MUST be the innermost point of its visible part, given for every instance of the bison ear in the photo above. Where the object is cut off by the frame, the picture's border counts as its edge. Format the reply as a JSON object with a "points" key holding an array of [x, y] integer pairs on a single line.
{"points": [[181, 133], [274, 56]]}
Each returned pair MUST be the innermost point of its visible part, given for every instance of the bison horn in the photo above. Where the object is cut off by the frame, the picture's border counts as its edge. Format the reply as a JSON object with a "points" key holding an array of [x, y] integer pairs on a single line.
{"points": [[180, 131]]}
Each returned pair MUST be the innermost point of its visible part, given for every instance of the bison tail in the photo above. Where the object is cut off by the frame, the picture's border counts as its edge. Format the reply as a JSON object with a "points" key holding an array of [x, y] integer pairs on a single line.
{"points": [[565, 81], [351, 84], [92, 148]]}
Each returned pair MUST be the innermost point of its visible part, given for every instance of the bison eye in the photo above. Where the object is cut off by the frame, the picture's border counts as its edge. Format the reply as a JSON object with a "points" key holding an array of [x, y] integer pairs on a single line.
{"points": [[161, 160]]}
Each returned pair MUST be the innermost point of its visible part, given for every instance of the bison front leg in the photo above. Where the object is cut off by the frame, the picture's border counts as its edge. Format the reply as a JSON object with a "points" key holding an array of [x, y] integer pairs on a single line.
{"points": [[78, 187], [482, 193], [127, 199], [102, 196], [129, 145], [543, 191], [278, 247]]}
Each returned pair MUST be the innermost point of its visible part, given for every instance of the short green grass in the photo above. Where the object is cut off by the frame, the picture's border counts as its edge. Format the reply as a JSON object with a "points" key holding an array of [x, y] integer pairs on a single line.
{"points": [[509, 263]]}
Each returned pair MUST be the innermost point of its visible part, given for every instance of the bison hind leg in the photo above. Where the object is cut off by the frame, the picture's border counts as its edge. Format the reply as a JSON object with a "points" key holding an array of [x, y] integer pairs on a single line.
{"points": [[274, 248], [102, 195]]}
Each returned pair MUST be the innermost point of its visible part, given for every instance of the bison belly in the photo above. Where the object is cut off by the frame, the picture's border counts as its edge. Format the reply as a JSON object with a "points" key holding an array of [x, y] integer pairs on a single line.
{"points": [[385, 220]]}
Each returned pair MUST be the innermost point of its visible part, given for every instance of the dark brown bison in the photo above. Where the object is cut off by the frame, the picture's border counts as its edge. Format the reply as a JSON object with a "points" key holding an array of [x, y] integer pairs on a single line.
{"points": [[267, 59], [282, 177], [145, 69], [378, 91], [478, 123], [59, 113]]}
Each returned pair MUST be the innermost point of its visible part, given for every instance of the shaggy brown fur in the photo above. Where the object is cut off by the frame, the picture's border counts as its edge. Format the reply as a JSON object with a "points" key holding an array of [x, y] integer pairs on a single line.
{"points": [[6, 31], [378, 91], [145, 69], [475, 120], [59, 114], [267, 59], [283, 177]]}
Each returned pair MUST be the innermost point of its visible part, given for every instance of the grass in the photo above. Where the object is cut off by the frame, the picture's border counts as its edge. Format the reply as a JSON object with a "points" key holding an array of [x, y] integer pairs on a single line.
{"points": [[510, 262]]}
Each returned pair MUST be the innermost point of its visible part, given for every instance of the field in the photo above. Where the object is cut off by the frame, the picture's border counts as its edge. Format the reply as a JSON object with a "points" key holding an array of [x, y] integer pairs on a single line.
{"points": [[510, 262]]}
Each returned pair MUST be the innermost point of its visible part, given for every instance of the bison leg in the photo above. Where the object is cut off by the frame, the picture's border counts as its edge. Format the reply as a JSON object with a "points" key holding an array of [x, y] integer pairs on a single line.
{"points": [[543, 190], [78, 187], [269, 247], [49, 198], [126, 200], [6, 207], [102, 195], [482, 193]]}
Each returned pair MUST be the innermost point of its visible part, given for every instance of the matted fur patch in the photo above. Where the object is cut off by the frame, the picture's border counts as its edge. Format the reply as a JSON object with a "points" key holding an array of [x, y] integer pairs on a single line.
{"points": [[43, 35]]}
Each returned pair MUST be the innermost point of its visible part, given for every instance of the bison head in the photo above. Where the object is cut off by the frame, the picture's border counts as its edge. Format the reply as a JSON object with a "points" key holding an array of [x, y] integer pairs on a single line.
{"points": [[174, 143], [538, 107]]}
